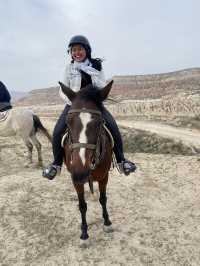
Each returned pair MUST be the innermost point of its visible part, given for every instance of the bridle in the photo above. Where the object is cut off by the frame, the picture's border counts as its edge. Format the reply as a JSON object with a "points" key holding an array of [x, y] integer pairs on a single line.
{"points": [[95, 147]]}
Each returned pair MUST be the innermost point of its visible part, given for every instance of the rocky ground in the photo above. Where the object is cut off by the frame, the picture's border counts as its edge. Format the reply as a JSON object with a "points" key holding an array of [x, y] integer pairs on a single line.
{"points": [[155, 213]]}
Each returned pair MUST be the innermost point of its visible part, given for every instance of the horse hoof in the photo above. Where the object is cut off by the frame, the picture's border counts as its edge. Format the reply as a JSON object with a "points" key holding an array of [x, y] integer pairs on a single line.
{"points": [[108, 228], [84, 243]]}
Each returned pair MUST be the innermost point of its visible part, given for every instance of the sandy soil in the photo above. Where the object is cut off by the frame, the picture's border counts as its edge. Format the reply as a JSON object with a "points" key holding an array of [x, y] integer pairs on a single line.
{"points": [[188, 136], [155, 213]]}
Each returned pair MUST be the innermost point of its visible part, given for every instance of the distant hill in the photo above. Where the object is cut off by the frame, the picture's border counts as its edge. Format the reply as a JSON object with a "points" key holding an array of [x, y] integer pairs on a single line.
{"points": [[16, 95], [48, 96], [137, 87], [156, 86]]}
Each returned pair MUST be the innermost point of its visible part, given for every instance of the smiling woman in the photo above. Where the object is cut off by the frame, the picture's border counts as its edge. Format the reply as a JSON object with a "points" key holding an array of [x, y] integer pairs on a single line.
{"points": [[78, 53], [81, 72]]}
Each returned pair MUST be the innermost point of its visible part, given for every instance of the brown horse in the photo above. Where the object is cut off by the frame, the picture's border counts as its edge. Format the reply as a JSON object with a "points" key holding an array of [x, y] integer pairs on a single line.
{"points": [[88, 148]]}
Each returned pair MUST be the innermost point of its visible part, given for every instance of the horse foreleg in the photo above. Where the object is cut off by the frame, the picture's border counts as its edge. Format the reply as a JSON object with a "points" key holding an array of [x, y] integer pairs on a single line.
{"points": [[29, 146], [83, 209], [103, 202], [38, 146]]}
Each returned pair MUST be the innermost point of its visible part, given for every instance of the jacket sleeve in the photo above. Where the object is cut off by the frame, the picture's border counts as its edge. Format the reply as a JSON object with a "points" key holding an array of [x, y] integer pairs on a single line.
{"points": [[100, 80], [66, 82]]}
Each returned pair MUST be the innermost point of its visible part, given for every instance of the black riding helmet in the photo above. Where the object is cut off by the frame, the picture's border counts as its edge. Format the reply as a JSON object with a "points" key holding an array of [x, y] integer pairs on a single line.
{"points": [[80, 39]]}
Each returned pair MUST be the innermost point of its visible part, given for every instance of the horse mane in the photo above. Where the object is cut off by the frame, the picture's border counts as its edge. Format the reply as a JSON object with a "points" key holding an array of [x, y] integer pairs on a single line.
{"points": [[91, 93]]}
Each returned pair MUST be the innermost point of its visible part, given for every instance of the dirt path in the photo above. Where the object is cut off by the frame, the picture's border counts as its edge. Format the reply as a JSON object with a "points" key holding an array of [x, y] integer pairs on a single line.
{"points": [[191, 137]]}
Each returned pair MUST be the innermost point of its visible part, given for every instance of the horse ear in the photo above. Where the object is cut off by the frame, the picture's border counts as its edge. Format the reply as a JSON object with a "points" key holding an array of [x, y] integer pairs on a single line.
{"points": [[106, 90], [67, 91]]}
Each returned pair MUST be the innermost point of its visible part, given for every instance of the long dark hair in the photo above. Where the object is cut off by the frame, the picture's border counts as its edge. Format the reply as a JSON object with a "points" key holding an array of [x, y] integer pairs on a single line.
{"points": [[96, 63]]}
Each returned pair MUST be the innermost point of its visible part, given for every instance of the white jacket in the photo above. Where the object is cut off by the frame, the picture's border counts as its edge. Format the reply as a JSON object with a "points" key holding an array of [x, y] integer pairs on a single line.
{"points": [[72, 77]]}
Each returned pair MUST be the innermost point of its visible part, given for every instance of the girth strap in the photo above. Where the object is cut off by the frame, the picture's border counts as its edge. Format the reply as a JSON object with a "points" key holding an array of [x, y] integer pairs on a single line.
{"points": [[82, 145]]}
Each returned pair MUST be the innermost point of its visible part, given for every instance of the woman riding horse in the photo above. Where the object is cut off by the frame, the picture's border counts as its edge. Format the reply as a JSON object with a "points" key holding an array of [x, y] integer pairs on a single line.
{"points": [[5, 98], [84, 70]]}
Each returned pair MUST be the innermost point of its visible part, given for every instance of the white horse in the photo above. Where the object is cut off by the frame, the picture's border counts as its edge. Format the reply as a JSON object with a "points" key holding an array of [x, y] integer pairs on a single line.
{"points": [[24, 123]]}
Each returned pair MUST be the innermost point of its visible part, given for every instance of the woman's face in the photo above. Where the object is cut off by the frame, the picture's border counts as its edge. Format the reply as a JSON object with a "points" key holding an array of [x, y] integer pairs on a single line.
{"points": [[78, 53]]}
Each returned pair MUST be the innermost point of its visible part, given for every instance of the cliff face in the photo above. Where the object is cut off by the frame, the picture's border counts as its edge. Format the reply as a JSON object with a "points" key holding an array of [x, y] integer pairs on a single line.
{"points": [[158, 85], [138, 87]]}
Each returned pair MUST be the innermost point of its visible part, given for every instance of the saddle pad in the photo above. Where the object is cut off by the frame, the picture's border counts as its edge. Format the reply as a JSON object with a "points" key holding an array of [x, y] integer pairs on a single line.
{"points": [[65, 136], [4, 115]]}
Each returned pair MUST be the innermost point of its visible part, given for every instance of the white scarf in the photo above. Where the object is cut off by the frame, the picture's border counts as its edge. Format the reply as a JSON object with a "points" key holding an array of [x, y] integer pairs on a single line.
{"points": [[86, 66], [74, 80]]}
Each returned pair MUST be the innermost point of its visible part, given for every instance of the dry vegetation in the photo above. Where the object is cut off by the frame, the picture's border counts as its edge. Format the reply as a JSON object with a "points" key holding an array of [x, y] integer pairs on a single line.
{"points": [[145, 142], [165, 109]]}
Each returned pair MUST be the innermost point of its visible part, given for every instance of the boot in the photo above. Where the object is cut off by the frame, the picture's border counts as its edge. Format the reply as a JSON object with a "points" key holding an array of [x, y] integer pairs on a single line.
{"points": [[51, 171], [127, 167]]}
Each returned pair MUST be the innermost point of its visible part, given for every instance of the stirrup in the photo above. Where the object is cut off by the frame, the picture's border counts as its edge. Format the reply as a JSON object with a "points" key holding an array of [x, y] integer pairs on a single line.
{"points": [[128, 167], [51, 171]]}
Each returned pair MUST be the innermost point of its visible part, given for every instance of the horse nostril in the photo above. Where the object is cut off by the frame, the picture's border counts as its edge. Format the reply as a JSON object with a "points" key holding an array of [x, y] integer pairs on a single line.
{"points": [[92, 166]]}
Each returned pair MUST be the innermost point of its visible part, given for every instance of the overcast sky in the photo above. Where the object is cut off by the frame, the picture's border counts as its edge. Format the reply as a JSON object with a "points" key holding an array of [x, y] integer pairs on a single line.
{"points": [[133, 36]]}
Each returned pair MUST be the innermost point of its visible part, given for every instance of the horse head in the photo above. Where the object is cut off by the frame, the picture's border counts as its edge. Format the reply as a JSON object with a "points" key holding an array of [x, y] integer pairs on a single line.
{"points": [[85, 127]]}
